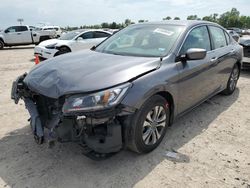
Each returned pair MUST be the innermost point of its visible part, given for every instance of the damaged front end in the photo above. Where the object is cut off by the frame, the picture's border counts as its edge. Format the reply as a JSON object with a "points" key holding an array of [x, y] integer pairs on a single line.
{"points": [[92, 120]]}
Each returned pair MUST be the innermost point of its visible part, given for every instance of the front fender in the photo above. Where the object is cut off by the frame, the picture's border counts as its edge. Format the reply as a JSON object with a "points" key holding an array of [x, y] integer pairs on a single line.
{"points": [[163, 79], [2, 37]]}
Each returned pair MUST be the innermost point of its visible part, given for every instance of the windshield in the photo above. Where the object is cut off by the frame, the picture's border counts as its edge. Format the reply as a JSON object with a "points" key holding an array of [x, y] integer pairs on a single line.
{"points": [[69, 36], [142, 40]]}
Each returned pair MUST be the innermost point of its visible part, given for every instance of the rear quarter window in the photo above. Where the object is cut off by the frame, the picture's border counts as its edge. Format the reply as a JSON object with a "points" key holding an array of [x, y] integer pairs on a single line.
{"points": [[21, 28], [99, 34]]}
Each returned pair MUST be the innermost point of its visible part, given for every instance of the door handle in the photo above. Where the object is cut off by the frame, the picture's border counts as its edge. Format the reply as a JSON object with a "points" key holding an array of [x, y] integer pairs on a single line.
{"points": [[19, 33], [214, 59]]}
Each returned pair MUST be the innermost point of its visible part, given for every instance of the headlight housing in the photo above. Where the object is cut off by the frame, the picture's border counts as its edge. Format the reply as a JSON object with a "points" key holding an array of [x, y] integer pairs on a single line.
{"points": [[95, 101], [51, 46]]}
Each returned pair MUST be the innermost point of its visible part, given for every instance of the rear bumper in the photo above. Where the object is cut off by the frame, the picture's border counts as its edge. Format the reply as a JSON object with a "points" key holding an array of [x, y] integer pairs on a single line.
{"points": [[44, 53]]}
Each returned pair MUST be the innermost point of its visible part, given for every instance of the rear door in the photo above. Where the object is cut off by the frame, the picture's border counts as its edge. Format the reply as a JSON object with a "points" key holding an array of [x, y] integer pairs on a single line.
{"points": [[224, 52], [196, 76], [25, 35]]}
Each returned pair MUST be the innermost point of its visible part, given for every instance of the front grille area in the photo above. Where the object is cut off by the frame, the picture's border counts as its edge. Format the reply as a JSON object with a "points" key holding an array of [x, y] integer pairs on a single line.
{"points": [[246, 51], [48, 107]]}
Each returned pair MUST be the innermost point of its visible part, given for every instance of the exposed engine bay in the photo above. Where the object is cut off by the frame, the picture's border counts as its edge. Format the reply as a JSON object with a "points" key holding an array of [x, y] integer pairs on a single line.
{"points": [[99, 132]]}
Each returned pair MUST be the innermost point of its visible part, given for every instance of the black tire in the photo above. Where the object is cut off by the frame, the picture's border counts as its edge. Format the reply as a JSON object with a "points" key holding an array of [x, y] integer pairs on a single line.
{"points": [[1, 44], [137, 131], [63, 50], [232, 81]]}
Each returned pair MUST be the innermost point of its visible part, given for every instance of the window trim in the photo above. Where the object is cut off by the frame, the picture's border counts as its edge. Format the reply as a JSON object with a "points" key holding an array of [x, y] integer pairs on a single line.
{"points": [[190, 30], [229, 41]]}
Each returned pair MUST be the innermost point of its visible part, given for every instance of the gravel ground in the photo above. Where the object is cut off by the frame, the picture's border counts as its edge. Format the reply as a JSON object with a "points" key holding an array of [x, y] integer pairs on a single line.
{"points": [[214, 138]]}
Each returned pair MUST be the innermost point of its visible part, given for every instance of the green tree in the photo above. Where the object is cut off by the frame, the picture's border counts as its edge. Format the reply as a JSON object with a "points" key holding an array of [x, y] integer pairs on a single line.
{"points": [[176, 18], [141, 21], [167, 18], [127, 22], [193, 17], [105, 25], [230, 18], [211, 18]]}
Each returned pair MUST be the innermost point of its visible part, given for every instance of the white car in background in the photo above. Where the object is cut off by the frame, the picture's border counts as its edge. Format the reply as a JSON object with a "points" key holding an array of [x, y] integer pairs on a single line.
{"points": [[57, 29], [70, 42]]}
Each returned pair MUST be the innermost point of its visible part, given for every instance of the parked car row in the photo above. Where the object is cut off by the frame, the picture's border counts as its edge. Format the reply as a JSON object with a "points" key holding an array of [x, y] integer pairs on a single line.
{"points": [[125, 92], [70, 42], [245, 42]]}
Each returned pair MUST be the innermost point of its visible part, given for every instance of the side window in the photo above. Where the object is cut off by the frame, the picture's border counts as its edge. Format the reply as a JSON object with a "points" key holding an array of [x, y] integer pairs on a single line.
{"points": [[99, 34], [88, 35], [197, 38], [218, 37], [21, 28], [227, 38], [11, 29]]}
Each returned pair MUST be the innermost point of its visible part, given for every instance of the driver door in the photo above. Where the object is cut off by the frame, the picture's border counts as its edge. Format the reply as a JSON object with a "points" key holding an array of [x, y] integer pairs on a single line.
{"points": [[197, 77], [85, 41], [11, 35]]}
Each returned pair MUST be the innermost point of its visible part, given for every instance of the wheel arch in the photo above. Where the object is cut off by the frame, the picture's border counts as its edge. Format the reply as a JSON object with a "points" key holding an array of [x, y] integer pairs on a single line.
{"points": [[168, 96], [59, 48], [238, 63], [64, 46]]}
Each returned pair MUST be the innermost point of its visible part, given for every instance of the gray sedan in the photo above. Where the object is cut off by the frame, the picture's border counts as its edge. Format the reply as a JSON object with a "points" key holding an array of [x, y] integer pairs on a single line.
{"points": [[126, 91]]}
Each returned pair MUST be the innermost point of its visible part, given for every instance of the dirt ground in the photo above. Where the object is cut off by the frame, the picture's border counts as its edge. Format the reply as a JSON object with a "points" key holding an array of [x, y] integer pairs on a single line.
{"points": [[215, 138]]}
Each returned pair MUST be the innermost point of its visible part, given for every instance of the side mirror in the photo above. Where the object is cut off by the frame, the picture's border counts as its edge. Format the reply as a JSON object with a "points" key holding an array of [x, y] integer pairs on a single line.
{"points": [[196, 54], [93, 48], [6, 31], [79, 39], [192, 54]]}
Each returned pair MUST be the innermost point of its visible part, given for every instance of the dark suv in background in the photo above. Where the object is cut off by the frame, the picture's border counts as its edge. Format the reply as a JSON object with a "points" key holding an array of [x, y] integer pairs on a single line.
{"points": [[125, 92]]}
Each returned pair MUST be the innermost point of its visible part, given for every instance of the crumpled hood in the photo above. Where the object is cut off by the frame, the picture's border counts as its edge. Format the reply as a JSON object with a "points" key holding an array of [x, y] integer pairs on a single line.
{"points": [[54, 41], [48, 42], [86, 71]]}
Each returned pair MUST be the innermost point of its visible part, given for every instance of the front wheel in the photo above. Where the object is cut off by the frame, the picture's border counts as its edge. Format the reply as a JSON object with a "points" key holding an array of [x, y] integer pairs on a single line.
{"points": [[149, 124], [232, 81]]}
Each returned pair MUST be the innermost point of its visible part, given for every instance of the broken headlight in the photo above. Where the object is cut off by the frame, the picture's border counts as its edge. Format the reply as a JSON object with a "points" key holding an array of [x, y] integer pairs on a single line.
{"points": [[95, 101]]}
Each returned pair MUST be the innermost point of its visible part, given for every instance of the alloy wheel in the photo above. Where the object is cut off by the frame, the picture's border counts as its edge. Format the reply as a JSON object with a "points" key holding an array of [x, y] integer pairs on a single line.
{"points": [[234, 78], [154, 125]]}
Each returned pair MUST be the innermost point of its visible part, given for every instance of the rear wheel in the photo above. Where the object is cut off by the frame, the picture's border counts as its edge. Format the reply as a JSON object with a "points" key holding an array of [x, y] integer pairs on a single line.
{"points": [[232, 81], [149, 124], [1, 44]]}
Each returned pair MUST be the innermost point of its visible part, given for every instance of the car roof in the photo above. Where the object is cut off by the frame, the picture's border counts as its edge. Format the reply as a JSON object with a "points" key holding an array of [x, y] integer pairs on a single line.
{"points": [[87, 30], [186, 23]]}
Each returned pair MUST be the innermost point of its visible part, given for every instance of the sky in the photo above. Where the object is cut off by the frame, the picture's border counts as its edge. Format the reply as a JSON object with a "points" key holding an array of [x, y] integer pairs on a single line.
{"points": [[90, 12]]}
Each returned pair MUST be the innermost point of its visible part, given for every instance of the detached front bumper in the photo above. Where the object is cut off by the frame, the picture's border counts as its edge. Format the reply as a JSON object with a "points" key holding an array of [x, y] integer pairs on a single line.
{"points": [[44, 53], [99, 132]]}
